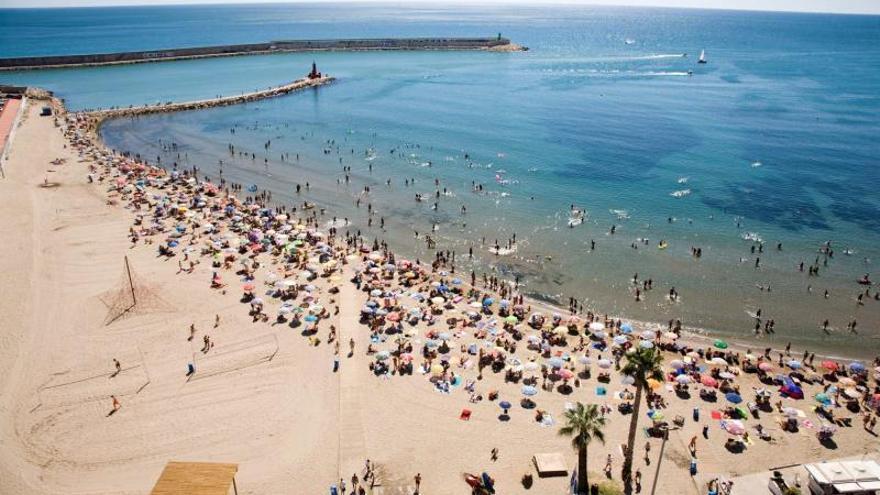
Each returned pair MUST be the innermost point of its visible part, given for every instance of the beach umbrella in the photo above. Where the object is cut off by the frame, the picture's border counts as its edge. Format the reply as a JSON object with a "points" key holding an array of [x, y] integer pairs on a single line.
{"points": [[794, 364], [852, 393], [733, 426], [646, 344], [504, 405], [566, 374], [790, 412], [765, 366], [708, 381], [620, 339], [683, 379], [676, 364], [733, 398], [727, 375], [438, 300], [248, 287], [857, 367], [284, 310], [437, 369], [648, 334], [823, 398], [584, 360], [513, 320], [599, 334], [560, 330], [829, 365], [721, 344], [394, 317], [444, 336], [556, 362], [529, 391], [627, 380], [626, 328], [382, 355], [670, 335], [604, 363], [654, 384], [531, 366], [597, 326], [718, 361], [310, 318], [655, 415]]}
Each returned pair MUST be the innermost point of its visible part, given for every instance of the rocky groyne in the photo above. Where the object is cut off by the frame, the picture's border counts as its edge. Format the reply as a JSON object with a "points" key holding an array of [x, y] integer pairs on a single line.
{"points": [[272, 92]]}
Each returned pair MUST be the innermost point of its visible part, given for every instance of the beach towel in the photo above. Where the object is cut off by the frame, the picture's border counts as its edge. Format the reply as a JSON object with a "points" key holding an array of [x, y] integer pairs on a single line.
{"points": [[715, 414], [600, 391], [465, 415], [808, 424]]}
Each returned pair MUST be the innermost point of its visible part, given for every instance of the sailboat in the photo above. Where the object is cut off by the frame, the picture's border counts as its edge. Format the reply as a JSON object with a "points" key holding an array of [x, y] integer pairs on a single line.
{"points": [[702, 59]]}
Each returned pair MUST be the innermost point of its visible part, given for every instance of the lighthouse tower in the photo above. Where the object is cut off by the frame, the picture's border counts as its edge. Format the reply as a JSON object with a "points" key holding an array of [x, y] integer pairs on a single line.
{"points": [[314, 74]]}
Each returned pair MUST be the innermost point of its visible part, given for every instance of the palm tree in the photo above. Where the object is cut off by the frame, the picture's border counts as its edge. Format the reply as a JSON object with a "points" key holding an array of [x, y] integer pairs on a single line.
{"points": [[583, 424], [643, 365]]}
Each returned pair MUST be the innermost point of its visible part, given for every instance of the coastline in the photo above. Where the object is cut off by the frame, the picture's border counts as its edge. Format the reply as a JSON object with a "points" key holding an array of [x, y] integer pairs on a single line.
{"points": [[691, 335], [330, 421]]}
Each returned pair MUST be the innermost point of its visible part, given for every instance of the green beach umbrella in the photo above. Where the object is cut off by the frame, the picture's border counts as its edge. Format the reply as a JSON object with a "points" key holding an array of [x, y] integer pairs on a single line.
{"points": [[721, 344]]}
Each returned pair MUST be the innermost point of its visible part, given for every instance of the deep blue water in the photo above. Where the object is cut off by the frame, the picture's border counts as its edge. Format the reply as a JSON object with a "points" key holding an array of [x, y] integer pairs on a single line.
{"points": [[583, 117]]}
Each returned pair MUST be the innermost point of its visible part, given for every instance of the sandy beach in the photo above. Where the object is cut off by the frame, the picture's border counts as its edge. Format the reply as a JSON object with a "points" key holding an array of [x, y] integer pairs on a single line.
{"points": [[266, 396]]}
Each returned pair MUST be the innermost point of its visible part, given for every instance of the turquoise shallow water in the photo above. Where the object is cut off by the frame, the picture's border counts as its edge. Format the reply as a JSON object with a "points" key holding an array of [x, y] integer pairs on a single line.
{"points": [[584, 117]]}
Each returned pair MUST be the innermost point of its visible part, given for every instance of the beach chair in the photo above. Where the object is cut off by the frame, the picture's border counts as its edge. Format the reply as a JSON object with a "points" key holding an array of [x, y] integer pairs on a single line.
{"points": [[465, 415]]}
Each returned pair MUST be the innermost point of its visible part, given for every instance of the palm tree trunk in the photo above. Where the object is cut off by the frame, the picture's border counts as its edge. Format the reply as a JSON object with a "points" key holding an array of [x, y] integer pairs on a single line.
{"points": [[631, 441], [583, 478]]}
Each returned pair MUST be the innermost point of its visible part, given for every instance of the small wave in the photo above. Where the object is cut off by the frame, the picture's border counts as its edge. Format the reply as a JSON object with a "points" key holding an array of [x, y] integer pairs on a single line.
{"points": [[681, 193], [752, 236]]}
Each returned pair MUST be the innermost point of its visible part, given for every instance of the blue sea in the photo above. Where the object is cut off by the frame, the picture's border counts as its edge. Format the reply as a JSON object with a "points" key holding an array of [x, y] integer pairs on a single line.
{"points": [[774, 139]]}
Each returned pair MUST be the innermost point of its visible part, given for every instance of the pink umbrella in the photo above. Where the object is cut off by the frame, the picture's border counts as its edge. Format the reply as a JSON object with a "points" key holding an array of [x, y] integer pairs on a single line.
{"points": [[708, 381], [566, 374], [765, 366], [393, 316]]}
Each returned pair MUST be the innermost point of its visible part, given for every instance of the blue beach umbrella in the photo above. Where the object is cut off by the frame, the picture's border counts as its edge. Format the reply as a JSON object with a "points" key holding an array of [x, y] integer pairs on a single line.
{"points": [[857, 367], [626, 328], [504, 405], [310, 318], [733, 398], [556, 362], [529, 391]]}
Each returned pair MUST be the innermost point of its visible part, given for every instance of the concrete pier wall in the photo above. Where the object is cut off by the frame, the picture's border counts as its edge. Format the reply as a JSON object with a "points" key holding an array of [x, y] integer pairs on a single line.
{"points": [[281, 46]]}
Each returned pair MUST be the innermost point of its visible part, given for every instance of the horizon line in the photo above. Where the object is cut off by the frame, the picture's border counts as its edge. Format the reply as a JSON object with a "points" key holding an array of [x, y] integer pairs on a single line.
{"points": [[464, 3]]}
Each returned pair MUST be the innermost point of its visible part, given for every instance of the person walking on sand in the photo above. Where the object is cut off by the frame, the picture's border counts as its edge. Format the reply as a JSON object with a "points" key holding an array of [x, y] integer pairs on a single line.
{"points": [[418, 480], [118, 366], [116, 404], [608, 467], [216, 320], [192, 331], [648, 453]]}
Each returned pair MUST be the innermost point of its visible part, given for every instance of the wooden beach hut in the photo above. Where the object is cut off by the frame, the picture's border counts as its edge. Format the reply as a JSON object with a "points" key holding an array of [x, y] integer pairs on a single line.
{"points": [[197, 478]]}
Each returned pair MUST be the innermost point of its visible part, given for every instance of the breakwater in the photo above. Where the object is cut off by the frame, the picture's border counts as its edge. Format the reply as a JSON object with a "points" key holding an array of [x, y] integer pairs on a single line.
{"points": [[274, 91], [377, 44]]}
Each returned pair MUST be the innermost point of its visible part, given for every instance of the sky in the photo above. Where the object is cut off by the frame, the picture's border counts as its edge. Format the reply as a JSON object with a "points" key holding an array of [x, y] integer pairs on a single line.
{"points": [[837, 6]]}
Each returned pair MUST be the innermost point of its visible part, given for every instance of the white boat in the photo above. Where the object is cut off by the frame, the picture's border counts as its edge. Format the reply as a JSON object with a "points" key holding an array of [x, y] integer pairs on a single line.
{"points": [[702, 59]]}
